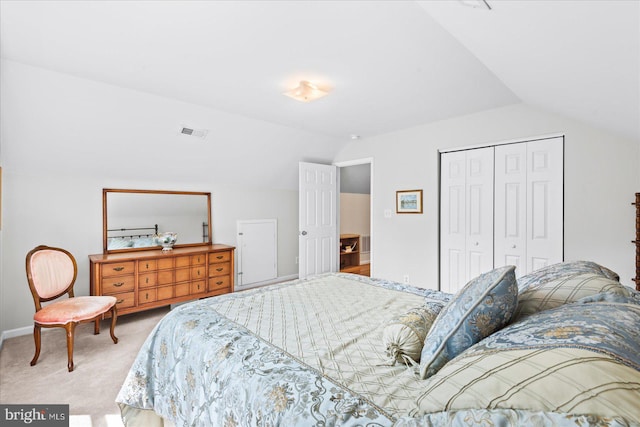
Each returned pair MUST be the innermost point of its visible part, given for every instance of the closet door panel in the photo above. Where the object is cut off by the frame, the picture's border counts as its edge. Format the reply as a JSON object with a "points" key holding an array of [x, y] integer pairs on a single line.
{"points": [[545, 196], [452, 220], [479, 213], [510, 206]]}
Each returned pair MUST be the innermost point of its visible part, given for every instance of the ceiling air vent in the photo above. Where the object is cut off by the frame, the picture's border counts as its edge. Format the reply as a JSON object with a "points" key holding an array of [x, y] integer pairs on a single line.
{"points": [[198, 133]]}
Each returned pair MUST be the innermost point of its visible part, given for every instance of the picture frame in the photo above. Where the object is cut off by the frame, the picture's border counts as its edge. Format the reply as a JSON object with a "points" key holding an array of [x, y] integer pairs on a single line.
{"points": [[409, 201]]}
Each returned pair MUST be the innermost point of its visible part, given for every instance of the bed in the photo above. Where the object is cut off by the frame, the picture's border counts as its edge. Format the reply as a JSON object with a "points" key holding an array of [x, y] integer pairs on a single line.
{"points": [[560, 346], [121, 238]]}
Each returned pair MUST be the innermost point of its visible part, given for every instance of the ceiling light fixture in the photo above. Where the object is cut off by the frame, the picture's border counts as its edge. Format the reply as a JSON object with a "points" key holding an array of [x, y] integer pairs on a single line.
{"points": [[478, 4], [306, 92]]}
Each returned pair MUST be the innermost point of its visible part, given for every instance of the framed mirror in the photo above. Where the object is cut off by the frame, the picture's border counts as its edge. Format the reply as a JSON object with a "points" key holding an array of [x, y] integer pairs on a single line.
{"points": [[131, 219]]}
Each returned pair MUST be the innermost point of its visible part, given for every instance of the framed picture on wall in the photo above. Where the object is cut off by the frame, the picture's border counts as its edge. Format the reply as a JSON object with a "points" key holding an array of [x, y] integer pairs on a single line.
{"points": [[409, 201]]}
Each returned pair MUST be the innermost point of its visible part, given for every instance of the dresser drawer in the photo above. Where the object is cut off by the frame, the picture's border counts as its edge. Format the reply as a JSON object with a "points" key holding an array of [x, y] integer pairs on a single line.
{"points": [[183, 275], [183, 289], [198, 287], [165, 263], [198, 273], [218, 283], [219, 269], [198, 259], [117, 269], [183, 261], [216, 257], [147, 296], [115, 285], [165, 277], [125, 300], [149, 265], [165, 292], [146, 280]]}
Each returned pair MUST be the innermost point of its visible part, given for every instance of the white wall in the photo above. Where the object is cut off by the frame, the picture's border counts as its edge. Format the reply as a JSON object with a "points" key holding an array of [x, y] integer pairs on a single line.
{"points": [[65, 138], [601, 177]]}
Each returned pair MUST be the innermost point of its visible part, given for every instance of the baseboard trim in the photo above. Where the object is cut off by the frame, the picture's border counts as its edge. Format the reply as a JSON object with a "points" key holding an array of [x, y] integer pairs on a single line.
{"points": [[18, 332]]}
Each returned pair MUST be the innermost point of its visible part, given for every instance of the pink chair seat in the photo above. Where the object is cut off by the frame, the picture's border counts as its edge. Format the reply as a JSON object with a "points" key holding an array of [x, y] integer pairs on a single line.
{"points": [[74, 309]]}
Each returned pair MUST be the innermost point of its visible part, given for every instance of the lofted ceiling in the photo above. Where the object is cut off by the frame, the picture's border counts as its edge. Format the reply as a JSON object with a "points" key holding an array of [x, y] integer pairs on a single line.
{"points": [[389, 64]]}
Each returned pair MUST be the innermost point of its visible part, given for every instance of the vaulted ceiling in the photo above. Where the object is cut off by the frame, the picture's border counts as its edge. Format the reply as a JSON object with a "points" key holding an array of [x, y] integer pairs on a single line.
{"points": [[389, 64]]}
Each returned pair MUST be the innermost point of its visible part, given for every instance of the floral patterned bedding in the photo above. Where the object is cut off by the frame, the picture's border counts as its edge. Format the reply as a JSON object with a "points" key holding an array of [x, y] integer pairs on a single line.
{"points": [[310, 353]]}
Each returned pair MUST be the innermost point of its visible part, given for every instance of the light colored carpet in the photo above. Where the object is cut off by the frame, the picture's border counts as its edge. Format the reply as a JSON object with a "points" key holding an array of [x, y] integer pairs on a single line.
{"points": [[100, 368]]}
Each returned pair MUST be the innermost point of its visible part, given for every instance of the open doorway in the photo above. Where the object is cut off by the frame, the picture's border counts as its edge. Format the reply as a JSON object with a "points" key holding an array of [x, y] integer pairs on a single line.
{"points": [[355, 217]]}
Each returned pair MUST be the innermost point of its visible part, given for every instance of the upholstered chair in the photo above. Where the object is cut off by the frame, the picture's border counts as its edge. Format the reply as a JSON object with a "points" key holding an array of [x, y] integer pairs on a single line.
{"points": [[51, 273]]}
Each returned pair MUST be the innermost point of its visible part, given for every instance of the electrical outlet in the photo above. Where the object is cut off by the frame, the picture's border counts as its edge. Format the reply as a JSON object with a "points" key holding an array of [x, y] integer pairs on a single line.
{"points": [[405, 278]]}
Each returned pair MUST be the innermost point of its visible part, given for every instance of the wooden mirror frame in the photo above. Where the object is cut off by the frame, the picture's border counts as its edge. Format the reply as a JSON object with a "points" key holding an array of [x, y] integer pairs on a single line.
{"points": [[106, 191]]}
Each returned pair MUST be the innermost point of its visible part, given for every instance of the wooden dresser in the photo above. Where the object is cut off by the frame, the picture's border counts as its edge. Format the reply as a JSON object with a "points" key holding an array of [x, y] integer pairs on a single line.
{"points": [[147, 279]]}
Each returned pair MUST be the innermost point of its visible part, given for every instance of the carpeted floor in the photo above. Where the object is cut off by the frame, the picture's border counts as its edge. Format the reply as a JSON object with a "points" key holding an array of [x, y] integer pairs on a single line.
{"points": [[100, 368]]}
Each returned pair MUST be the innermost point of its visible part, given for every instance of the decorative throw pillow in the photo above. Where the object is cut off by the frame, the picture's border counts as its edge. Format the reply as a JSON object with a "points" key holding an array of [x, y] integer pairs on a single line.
{"points": [[563, 269], [403, 337], [564, 290], [483, 306], [143, 242], [626, 298], [119, 243]]}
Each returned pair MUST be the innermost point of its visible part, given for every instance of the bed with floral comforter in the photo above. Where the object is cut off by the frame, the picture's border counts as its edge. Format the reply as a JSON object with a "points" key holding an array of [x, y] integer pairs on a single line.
{"points": [[558, 347]]}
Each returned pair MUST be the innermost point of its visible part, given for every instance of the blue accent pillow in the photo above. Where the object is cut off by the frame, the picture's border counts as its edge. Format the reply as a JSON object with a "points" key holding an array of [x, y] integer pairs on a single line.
{"points": [[119, 243], [483, 306]]}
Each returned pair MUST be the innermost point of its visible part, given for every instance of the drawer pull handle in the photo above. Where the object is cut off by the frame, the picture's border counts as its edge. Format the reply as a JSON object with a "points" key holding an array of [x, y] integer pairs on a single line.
{"points": [[219, 283], [117, 285], [198, 272], [218, 269], [120, 301], [220, 256], [146, 280], [147, 266], [118, 268], [147, 295]]}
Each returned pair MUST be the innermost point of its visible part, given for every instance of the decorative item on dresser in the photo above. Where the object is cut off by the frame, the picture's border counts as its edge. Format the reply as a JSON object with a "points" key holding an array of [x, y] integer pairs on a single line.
{"points": [[637, 241], [146, 279]]}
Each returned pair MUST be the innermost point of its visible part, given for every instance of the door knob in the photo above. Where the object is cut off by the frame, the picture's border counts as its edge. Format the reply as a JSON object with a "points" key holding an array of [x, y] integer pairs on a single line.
{"points": [[304, 233]]}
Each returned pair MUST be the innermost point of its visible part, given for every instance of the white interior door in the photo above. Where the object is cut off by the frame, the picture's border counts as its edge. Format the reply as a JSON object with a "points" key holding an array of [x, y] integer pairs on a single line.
{"points": [[545, 202], [318, 232], [452, 220], [511, 207], [466, 216], [479, 194]]}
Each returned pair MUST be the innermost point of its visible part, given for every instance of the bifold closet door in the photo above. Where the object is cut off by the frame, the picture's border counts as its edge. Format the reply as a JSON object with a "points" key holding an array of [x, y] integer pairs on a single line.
{"points": [[529, 194], [511, 206], [466, 215]]}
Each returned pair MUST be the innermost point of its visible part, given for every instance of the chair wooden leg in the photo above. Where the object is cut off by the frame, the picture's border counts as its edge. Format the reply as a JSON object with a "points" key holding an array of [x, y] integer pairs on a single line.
{"points": [[36, 338], [114, 316], [71, 328], [96, 326]]}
